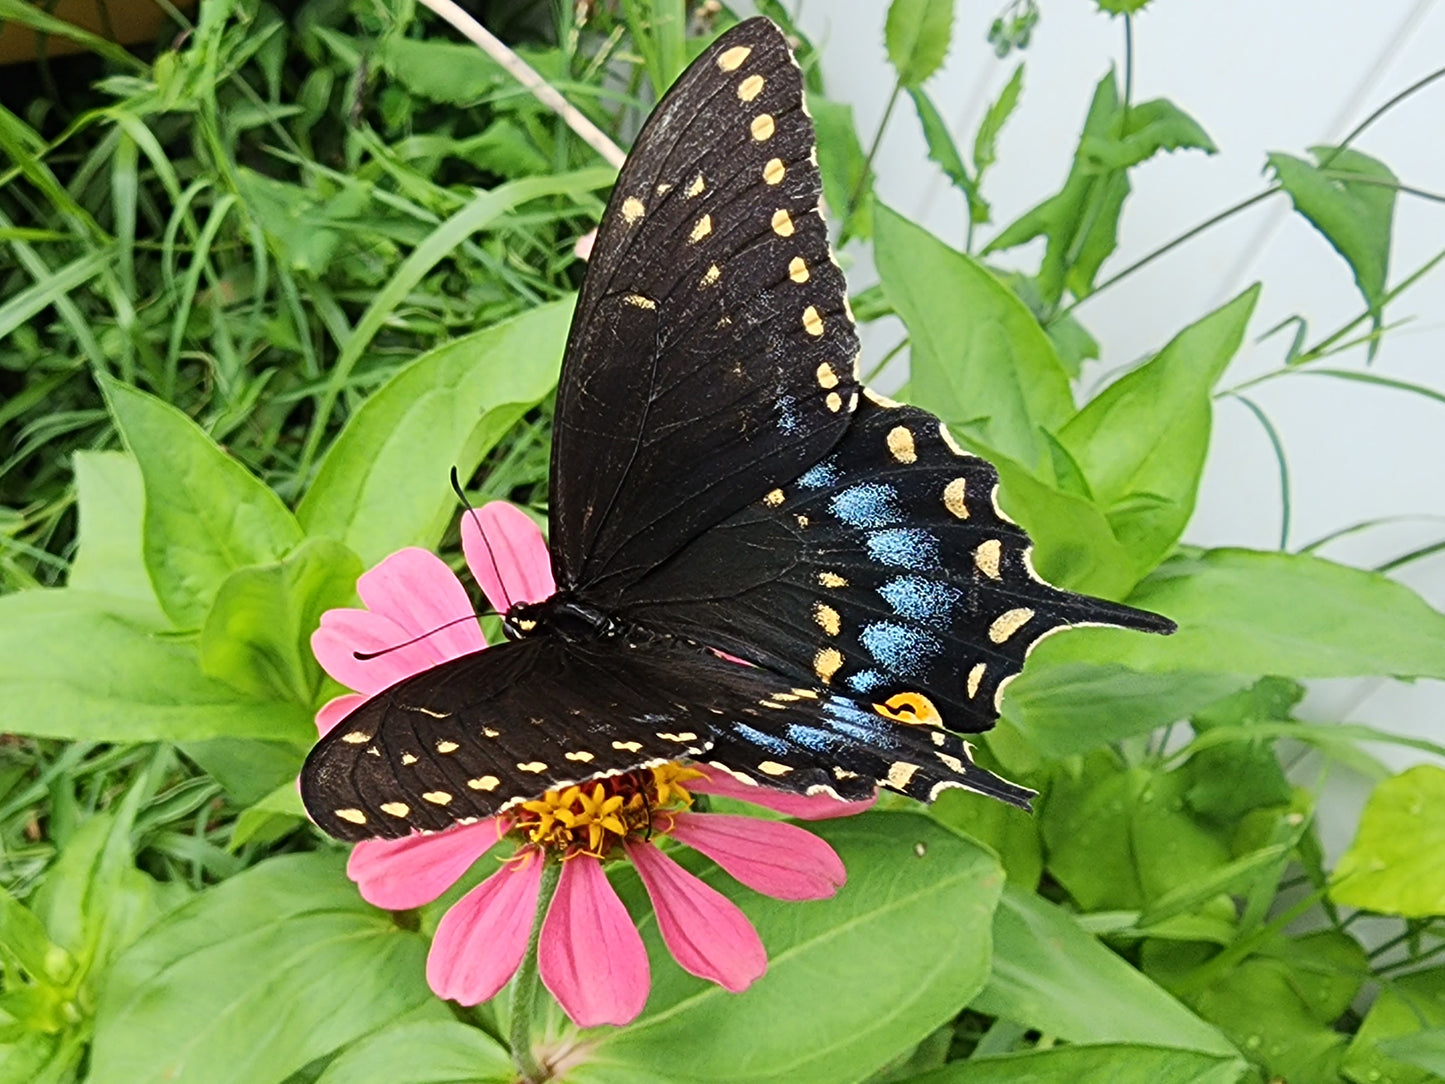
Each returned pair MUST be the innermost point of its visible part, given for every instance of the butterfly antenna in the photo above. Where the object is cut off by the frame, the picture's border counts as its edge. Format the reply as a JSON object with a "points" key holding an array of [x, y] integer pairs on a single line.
{"points": [[366, 656], [647, 805], [491, 556]]}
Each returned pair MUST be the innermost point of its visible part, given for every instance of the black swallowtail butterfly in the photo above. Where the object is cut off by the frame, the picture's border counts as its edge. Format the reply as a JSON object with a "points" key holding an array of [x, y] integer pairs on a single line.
{"points": [[720, 477]]}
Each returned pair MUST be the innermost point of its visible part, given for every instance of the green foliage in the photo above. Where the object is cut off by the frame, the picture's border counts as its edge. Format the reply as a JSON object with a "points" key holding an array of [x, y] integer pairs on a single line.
{"points": [[298, 270]]}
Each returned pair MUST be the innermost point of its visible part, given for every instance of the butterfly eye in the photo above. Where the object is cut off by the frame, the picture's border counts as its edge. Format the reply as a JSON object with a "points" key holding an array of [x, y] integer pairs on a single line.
{"points": [[910, 708]]}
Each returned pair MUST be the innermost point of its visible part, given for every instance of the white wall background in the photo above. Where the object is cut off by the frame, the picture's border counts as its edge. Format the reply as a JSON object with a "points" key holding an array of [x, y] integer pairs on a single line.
{"points": [[1259, 76]]}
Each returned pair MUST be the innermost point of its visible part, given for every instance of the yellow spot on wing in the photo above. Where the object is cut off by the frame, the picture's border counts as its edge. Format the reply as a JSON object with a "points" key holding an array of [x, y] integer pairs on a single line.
{"points": [[356, 737], [408, 758], [641, 302], [826, 663], [714, 272], [686, 735], [732, 59], [447, 747], [831, 579], [900, 443], [772, 767], [975, 677], [582, 755], [438, 797], [827, 618], [632, 209], [485, 782], [798, 269], [750, 87], [986, 557], [627, 746], [396, 809], [1008, 623], [953, 494], [827, 378], [774, 498], [355, 816], [782, 223], [701, 230], [834, 401], [774, 171], [763, 127], [910, 707], [533, 766], [812, 322], [900, 773], [696, 188]]}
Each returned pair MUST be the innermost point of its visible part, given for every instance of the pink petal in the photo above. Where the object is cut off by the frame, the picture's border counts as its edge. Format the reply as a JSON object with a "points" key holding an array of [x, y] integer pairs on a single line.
{"points": [[583, 248], [520, 554], [399, 874], [417, 590], [776, 859], [703, 929], [343, 633], [336, 709], [806, 807], [481, 941], [590, 955]]}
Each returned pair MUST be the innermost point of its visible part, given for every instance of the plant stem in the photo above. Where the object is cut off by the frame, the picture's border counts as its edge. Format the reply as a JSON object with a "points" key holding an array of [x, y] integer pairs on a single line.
{"points": [[862, 185], [525, 985]]}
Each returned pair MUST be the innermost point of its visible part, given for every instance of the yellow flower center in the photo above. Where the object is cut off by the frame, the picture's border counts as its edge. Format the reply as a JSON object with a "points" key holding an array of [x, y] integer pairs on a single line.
{"points": [[596, 817]]}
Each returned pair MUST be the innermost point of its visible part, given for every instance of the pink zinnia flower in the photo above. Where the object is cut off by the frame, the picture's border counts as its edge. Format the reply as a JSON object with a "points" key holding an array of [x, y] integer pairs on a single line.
{"points": [[587, 932]]}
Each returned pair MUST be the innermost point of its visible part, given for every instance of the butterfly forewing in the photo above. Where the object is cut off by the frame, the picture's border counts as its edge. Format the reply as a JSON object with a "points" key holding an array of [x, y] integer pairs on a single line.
{"points": [[712, 351]]}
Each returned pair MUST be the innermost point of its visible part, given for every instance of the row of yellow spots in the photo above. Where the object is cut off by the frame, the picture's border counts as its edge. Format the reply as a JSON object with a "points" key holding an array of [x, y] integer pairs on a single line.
{"points": [[827, 618]]}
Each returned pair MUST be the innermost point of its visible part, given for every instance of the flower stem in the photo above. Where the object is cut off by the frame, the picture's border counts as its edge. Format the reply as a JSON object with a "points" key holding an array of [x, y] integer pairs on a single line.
{"points": [[525, 985]]}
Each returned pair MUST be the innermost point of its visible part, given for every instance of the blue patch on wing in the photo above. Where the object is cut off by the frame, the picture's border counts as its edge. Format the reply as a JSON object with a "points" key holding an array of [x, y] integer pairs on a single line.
{"points": [[867, 506], [904, 547], [789, 419], [866, 680], [812, 738], [929, 602], [899, 648], [818, 476], [772, 744]]}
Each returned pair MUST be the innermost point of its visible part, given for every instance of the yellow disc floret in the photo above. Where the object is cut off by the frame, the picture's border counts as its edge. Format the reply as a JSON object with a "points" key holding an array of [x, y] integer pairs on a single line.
{"points": [[598, 816]]}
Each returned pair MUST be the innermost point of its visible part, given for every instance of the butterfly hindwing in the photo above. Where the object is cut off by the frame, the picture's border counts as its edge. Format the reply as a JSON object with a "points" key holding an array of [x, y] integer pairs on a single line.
{"points": [[885, 569], [712, 349]]}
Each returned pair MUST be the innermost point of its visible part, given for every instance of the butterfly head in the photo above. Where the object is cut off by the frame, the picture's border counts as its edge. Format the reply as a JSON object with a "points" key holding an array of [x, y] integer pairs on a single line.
{"points": [[561, 616]]}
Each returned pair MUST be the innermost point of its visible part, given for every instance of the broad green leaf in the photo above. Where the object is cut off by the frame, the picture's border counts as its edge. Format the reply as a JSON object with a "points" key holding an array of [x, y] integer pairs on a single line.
{"points": [[304, 225], [423, 1052], [1108, 1063], [206, 515], [1122, 839], [384, 483], [844, 167], [441, 71], [111, 501], [77, 666], [1400, 1039], [1148, 433], [1355, 216], [1050, 975], [271, 817], [1010, 832], [256, 978], [980, 359], [1071, 339], [257, 636], [248, 768], [1245, 611], [1075, 707], [24, 940], [1393, 866], [917, 34], [907, 941], [1235, 778]]}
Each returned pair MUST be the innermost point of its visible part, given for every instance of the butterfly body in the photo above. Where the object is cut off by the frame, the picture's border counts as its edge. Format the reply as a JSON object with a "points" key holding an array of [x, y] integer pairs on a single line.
{"points": [[762, 565]]}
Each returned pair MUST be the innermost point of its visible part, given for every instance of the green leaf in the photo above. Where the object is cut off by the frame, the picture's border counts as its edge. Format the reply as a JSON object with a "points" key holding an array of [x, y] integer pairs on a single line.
{"points": [[941, 149], [257, 636], [1399, 1040], [844, 166], [256, 978], [985, 141], [1152, 126], [441, 71], [385, 482], [1250, 612], [1008, 831], [917, 34], [24, 941], [423, 1052], [271, 817], [1148, 433], [110, 559], [1393, 866], [980, 359], [907, 941], [1051, 975], [1121, 7], [1075, 707], [1108, 1063], [206, 515], [82, 667], [1355, 216]]}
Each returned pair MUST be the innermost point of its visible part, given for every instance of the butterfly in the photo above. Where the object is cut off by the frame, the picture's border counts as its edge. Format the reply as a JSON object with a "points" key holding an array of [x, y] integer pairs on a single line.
{"points": [[721, 482]]}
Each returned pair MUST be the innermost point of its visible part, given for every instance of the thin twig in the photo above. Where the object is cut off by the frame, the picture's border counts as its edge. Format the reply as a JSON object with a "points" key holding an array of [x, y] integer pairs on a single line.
{"points": [[525, 74]]}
